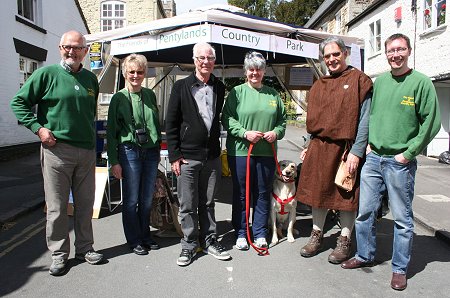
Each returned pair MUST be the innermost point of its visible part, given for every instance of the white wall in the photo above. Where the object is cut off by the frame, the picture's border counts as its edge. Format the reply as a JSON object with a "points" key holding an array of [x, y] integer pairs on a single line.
{"points": [[430, 54], [57, 17], [441, 141], [430, 48]]}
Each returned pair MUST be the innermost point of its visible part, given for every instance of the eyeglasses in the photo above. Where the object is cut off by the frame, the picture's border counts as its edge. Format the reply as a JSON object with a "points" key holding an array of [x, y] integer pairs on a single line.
{"points": [[138, 72], [334, 54], [203, 58], [67, 48], [400, 51]]}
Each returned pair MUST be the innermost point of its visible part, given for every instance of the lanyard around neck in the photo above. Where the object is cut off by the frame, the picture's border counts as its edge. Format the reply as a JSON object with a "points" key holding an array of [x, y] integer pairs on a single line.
{"points": [[131, 105]]}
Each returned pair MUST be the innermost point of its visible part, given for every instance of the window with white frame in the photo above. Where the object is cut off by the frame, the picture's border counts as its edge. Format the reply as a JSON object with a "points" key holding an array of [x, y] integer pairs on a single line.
{"points": [[104, 98], [112, 15], [434, 13], [375, 37], [337, 23], [26, 67], [27, 9]]}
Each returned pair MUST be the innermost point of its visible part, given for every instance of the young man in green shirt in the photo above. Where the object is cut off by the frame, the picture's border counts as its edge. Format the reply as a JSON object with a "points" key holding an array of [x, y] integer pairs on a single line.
{"points": [[404, 118]]}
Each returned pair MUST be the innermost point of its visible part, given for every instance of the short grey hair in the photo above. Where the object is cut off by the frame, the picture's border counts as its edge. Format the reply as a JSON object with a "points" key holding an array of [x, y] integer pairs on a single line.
{"points": [[73, 32], [333, 39], [136, 59], [254, 59], [201, 45]]}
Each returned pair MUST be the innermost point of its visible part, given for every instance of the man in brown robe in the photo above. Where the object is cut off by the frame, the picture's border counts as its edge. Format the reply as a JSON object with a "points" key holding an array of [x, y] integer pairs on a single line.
{"points": [[338, 114]]}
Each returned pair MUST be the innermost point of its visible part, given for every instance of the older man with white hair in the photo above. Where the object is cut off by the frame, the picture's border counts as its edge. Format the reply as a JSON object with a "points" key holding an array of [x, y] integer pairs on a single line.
{"points": [[193, 133], [66, 95]]}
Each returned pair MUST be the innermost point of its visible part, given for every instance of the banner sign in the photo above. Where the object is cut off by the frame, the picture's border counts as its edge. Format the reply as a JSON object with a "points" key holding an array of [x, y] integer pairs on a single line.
{"points": [[216, 34], [240, 38], [295, 47], [95, 55], [182, 37], [133, 45]]}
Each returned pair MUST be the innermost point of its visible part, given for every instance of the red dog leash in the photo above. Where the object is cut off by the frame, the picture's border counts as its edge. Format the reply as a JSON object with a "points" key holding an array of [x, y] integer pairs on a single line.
{"points": [[263, 251]]}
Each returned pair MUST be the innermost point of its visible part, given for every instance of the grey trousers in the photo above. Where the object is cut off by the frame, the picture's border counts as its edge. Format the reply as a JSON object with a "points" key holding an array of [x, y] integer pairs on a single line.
{"points": [[197, 187], [65, 168]]}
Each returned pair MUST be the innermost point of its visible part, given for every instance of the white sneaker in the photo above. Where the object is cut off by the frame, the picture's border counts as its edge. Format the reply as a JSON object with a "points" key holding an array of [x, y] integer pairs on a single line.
{"points": [[241, 244], [261, 243]]}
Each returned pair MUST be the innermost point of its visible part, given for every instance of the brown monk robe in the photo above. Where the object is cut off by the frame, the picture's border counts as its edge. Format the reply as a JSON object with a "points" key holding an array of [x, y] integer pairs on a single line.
{"points": [[332, 120]]}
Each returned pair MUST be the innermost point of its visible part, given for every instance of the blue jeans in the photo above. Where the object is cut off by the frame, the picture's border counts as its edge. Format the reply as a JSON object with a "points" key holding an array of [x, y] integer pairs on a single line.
{"points": [[139, 170], [262, 171], [380, 175]]}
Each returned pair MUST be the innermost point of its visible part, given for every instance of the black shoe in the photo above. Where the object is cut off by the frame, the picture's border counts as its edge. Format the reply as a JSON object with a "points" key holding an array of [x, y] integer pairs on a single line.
{"points": [[151, 245], [140, 251]]}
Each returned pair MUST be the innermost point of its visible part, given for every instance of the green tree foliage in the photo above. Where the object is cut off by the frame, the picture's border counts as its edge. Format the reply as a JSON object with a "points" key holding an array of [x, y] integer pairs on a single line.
{"points": [[258, 8], [295, 12]]}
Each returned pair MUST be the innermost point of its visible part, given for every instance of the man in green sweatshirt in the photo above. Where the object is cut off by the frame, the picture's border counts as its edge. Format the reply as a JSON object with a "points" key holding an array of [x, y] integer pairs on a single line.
{"points": [[66, 95], [404, 118]]}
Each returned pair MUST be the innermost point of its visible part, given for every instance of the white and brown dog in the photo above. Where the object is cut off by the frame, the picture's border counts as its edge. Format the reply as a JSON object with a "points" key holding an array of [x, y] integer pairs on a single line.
{"points": [[284, 204]]}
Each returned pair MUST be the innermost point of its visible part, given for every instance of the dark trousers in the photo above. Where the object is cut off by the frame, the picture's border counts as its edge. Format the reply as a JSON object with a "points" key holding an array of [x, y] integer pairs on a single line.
{"points": [[262, 171]]}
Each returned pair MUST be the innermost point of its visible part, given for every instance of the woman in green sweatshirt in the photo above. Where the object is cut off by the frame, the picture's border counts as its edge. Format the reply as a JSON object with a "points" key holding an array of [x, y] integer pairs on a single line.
{"points": [[133, 138], [253, 113]]}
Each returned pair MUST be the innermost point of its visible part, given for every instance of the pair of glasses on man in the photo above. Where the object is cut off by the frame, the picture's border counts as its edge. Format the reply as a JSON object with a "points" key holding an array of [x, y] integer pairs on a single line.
{"points": [[203, 58], [400, 51], [334, 54], [67, 48]]}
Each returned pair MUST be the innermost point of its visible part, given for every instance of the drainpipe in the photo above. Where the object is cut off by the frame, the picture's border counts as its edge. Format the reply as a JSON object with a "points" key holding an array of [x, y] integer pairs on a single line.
{"points": [[414, 11]]}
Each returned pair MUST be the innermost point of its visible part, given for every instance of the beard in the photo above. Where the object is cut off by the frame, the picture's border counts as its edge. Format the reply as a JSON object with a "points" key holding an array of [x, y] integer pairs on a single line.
{"points": [[72, 62]]}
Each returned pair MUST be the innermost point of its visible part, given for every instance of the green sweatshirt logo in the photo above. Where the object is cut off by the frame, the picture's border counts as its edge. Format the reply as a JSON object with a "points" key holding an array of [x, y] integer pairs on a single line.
{"points": [[91, 92], [408, 101]]}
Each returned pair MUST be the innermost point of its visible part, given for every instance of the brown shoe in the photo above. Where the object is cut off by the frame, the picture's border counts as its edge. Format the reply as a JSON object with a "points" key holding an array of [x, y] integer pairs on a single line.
{"points": [[313, 245], [354, 263], [341, 252], [398, 281]]}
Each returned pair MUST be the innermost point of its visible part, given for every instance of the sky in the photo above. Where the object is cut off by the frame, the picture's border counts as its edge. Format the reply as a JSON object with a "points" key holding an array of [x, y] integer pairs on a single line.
{"points": [[184, 5]]}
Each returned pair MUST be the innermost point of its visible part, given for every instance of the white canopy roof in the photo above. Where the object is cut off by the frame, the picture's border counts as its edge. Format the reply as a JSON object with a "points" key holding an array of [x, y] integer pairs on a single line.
{"points": [[284, 44]]}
